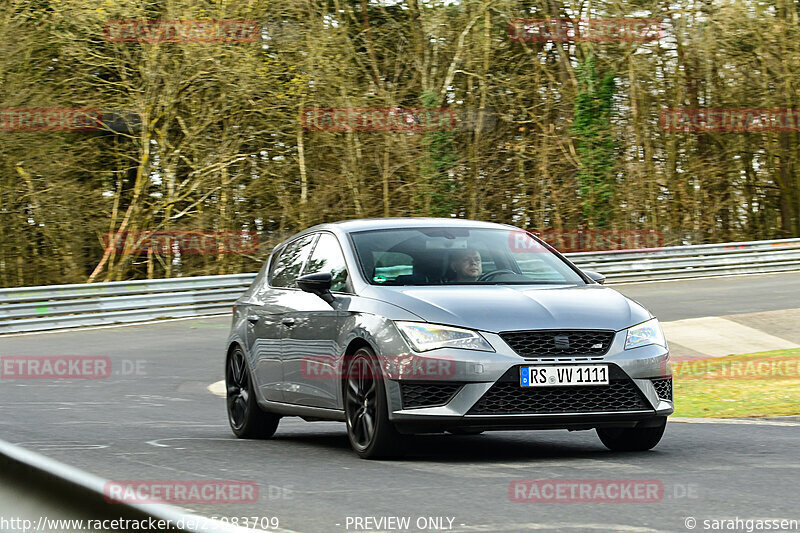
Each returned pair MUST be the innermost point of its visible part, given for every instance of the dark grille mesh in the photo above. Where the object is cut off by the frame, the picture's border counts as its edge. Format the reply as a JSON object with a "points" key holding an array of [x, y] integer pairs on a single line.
{"points": [[544, 343], [510, 398], [427, 393], [663, 388]]}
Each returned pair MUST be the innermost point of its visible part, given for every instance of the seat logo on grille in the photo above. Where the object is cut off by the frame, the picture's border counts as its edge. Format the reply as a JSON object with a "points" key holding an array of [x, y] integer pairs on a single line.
{"points": [[561, 341]]}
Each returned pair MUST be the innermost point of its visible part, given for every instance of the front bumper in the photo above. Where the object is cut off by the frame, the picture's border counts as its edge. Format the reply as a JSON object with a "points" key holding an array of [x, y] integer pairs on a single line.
{"points": [[477, 402]]}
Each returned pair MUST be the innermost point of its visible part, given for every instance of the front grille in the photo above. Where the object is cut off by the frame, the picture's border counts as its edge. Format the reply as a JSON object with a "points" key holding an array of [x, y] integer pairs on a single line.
{"points": [[507, 397], [663, 388], [567, 342], [427, 393]]}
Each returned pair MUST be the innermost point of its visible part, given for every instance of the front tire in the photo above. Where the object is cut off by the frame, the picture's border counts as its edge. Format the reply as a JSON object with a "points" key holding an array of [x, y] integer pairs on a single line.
{"points": [[372, 435], [246, 418], [636, 439]]}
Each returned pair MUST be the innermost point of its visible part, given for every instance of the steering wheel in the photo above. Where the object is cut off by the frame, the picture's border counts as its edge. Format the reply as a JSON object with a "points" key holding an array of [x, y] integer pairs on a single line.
{"points": [[488, 276]]}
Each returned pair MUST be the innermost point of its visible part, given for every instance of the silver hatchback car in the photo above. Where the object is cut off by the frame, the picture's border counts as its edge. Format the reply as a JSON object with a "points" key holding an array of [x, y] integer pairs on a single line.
{"points": [[400, 326]]}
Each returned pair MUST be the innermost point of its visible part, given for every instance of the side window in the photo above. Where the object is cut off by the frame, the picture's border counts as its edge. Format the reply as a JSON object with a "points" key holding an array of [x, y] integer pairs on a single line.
{"points": [[287, 267], [327, 257]]}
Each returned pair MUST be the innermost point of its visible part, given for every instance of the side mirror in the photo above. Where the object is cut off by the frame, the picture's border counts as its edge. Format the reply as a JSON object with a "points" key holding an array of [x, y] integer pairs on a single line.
{"points": [[597, 277], [319, 284]]}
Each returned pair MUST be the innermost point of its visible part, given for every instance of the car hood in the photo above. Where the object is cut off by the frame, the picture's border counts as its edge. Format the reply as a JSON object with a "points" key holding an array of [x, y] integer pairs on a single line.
{"points": [[499, 308]]}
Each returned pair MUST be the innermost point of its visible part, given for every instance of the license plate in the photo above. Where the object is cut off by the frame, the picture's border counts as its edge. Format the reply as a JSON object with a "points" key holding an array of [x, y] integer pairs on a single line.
{"points": [[563, 376]]}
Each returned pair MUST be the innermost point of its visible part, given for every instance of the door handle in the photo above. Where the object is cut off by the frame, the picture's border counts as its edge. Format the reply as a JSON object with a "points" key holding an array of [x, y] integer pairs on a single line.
{"points": [[252, 318], [288, 322]]}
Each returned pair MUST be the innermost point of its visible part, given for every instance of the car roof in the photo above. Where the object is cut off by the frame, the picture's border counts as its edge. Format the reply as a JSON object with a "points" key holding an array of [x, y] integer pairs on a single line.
{"points": [[364, 224]]}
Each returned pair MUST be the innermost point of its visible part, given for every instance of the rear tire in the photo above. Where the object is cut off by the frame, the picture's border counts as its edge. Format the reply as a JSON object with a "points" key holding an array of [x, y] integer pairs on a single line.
{"points": [[246, 418], [372, 435], [636, 439]]}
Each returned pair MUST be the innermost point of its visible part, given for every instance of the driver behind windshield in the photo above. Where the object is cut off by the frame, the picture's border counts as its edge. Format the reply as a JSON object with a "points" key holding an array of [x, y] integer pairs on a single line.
{"points": [[465, 265]]}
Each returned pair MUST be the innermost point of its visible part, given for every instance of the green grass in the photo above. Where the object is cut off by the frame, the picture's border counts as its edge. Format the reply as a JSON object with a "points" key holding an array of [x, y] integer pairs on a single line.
{"points": [[750, 385]]}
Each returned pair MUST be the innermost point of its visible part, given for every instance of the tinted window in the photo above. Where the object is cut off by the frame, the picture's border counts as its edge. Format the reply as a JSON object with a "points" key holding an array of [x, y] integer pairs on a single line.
{"points": [[327, 257], [289, 264]]}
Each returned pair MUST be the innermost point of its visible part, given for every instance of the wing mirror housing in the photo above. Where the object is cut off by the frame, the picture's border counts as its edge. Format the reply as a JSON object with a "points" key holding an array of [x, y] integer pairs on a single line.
{"points": [[319, 284], [597, 277]]}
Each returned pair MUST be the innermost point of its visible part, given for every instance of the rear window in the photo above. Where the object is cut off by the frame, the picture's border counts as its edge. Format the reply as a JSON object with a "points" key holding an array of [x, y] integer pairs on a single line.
{"points": [[390, 265]]}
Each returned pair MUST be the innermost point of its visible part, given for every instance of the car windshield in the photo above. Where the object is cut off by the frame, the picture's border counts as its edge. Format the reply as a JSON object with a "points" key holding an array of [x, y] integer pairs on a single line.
{"points": [[458, 256]]}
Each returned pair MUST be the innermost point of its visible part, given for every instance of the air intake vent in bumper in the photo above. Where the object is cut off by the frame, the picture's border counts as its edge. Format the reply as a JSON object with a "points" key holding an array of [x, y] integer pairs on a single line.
{"points": [[427, 393], [507, 397], [663, 388]]}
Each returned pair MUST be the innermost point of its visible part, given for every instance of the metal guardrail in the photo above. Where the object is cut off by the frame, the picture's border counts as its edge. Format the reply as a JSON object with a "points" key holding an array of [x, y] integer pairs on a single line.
{"points": [[64, 306], [681, 262], [61, 492]]}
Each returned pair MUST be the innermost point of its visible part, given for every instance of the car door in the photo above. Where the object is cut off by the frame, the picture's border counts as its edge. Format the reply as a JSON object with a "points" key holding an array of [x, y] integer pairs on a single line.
{"points": [[310, 345], [266, 319]]}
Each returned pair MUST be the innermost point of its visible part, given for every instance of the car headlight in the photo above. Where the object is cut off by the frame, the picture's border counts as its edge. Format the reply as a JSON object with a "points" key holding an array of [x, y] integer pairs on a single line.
{"points": [[645, 333], [422, 337]]}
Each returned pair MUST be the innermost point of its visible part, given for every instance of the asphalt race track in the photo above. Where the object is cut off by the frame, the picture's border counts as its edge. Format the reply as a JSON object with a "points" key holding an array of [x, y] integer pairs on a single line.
{"points": [[155, 419], [691, 298]]}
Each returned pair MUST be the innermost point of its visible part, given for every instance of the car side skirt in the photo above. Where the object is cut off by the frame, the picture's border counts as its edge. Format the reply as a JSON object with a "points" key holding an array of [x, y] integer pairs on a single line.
{"points": [[290, 409]]}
